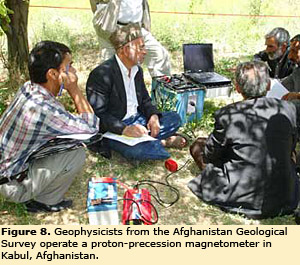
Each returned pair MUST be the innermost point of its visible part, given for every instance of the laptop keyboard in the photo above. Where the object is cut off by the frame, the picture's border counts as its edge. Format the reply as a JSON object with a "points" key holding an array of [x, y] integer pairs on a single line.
{"points": [[203, 76], [209, 79]]}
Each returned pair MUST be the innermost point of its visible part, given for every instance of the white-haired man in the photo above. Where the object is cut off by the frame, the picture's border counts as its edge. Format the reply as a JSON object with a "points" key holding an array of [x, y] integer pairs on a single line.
{"points": [[116, 90], [249, 165], [276, 53], [110, 15]]}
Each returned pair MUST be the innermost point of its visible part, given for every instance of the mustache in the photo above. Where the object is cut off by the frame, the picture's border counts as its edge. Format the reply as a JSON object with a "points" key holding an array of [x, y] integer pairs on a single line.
{"points": [[274, 55]]}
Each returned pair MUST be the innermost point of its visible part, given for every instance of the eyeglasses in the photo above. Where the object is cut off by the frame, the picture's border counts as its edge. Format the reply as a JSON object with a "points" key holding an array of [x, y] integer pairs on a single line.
{"points": [[136, 48]]}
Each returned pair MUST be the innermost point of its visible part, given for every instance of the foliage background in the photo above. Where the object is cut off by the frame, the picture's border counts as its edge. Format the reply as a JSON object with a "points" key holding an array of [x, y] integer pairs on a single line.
{"points": [[3, 15], [232, 36]]}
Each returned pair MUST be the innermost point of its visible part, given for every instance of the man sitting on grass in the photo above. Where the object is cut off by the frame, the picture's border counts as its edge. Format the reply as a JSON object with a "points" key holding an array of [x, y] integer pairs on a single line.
{"points": [[292, 82], [34, 118], [250, 163], [276, 53], [117, 92]]}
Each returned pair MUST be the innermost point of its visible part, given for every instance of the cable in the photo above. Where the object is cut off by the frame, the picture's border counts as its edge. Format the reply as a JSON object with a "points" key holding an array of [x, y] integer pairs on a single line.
{"points": [[182, 13], [139, 203], [157, 196]]}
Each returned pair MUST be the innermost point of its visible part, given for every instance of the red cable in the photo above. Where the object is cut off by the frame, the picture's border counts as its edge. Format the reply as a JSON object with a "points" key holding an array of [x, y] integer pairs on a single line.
{"points": [[184, 13], [225, 15], [62, 7]]}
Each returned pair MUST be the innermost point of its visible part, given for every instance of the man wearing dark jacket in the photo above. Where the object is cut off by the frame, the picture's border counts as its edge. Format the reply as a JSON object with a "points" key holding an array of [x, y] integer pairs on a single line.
{"points": [[276, 53], [292, 82], [249, 167], [117, 93]]}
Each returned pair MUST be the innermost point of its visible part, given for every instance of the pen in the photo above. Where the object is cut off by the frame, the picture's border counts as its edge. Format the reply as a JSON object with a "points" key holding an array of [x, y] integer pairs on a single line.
{"points": [[62, 86]]}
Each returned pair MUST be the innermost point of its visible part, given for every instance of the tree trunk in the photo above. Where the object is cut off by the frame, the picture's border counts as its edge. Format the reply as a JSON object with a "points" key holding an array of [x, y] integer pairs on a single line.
{"points": [[17, 38]]}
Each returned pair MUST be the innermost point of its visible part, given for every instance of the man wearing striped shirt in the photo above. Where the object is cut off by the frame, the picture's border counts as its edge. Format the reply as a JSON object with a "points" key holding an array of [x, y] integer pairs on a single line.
{"points": [[34, 118]]}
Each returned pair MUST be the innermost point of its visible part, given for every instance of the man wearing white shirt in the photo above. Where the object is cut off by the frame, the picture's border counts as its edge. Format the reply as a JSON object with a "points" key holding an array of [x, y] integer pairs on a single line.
{"points": [[117, 93], [131, 11], [109, 15]]}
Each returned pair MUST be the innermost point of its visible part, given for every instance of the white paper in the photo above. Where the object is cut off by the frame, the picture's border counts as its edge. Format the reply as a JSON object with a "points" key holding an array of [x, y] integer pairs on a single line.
{"points": [[128, 140], [277, 90], [82, 136]]}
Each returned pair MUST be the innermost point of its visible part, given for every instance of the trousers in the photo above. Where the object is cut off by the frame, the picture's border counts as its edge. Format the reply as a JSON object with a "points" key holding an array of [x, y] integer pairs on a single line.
{"points": [[48, 178], [150, 150]]}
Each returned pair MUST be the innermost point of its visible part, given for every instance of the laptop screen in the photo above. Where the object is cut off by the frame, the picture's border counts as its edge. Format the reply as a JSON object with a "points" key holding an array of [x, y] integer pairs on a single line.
{"points": [[198, 57]]}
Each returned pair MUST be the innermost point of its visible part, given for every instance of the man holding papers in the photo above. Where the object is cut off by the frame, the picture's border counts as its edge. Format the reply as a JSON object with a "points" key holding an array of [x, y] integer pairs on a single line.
{"points": [[33, 120], [117, 93]]}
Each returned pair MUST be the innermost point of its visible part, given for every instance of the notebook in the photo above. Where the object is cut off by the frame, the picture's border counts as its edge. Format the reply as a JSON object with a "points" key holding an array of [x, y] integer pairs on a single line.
{"points": [[199, 65]]}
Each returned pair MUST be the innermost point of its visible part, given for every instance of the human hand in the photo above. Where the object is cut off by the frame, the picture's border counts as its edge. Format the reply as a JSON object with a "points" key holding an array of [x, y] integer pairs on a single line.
{"points": [[69, 78], [197, 151], [153, 125], [291, 96], [136, 130]]}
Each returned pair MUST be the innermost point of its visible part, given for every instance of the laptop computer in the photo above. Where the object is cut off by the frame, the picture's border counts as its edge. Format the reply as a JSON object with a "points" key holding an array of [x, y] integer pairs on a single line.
{"points": [[199, 65]]}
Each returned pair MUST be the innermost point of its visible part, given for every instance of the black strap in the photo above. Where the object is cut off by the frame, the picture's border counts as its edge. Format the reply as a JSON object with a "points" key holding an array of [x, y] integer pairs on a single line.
{"points": [[20, 177], [121, 23], [6, 180], [59, 145]]}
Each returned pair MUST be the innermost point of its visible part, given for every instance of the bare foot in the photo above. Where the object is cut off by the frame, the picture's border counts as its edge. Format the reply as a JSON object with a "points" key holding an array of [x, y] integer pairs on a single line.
{"points": [[175, 141], [197, 151]]}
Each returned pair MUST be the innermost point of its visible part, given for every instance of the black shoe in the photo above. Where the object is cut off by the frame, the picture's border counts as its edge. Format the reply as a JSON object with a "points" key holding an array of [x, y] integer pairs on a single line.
{"points": [[101, 148], [35, 207]]}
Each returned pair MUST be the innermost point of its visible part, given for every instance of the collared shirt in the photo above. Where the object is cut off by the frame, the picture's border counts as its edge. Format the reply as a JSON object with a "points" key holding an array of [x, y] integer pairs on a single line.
{"points": [[131, 11], [34, 118], [129, 84]]}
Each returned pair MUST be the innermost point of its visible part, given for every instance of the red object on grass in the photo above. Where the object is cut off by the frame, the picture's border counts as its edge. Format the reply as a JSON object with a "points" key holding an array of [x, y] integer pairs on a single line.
{"points": [[137, 208], [171, 165]]}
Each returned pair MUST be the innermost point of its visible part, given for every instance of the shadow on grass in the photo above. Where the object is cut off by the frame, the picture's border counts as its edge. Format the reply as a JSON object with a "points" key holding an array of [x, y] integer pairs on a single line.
{"points": [[15, 214], [188, 210]]}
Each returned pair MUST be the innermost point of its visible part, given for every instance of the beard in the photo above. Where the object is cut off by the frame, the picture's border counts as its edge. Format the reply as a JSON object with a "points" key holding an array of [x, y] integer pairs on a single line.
{"points": [[275, 55], [138, 60]]}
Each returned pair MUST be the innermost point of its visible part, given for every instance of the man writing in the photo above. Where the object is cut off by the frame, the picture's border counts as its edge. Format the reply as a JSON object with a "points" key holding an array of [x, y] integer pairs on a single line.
{"points": [[249, 163], [35, 118], [117, 93], [276, 53]]}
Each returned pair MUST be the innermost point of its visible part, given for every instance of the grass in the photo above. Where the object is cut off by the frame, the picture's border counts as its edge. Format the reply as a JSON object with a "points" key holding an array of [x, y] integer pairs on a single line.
{"points": [[235, 39], [188, 210]]}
